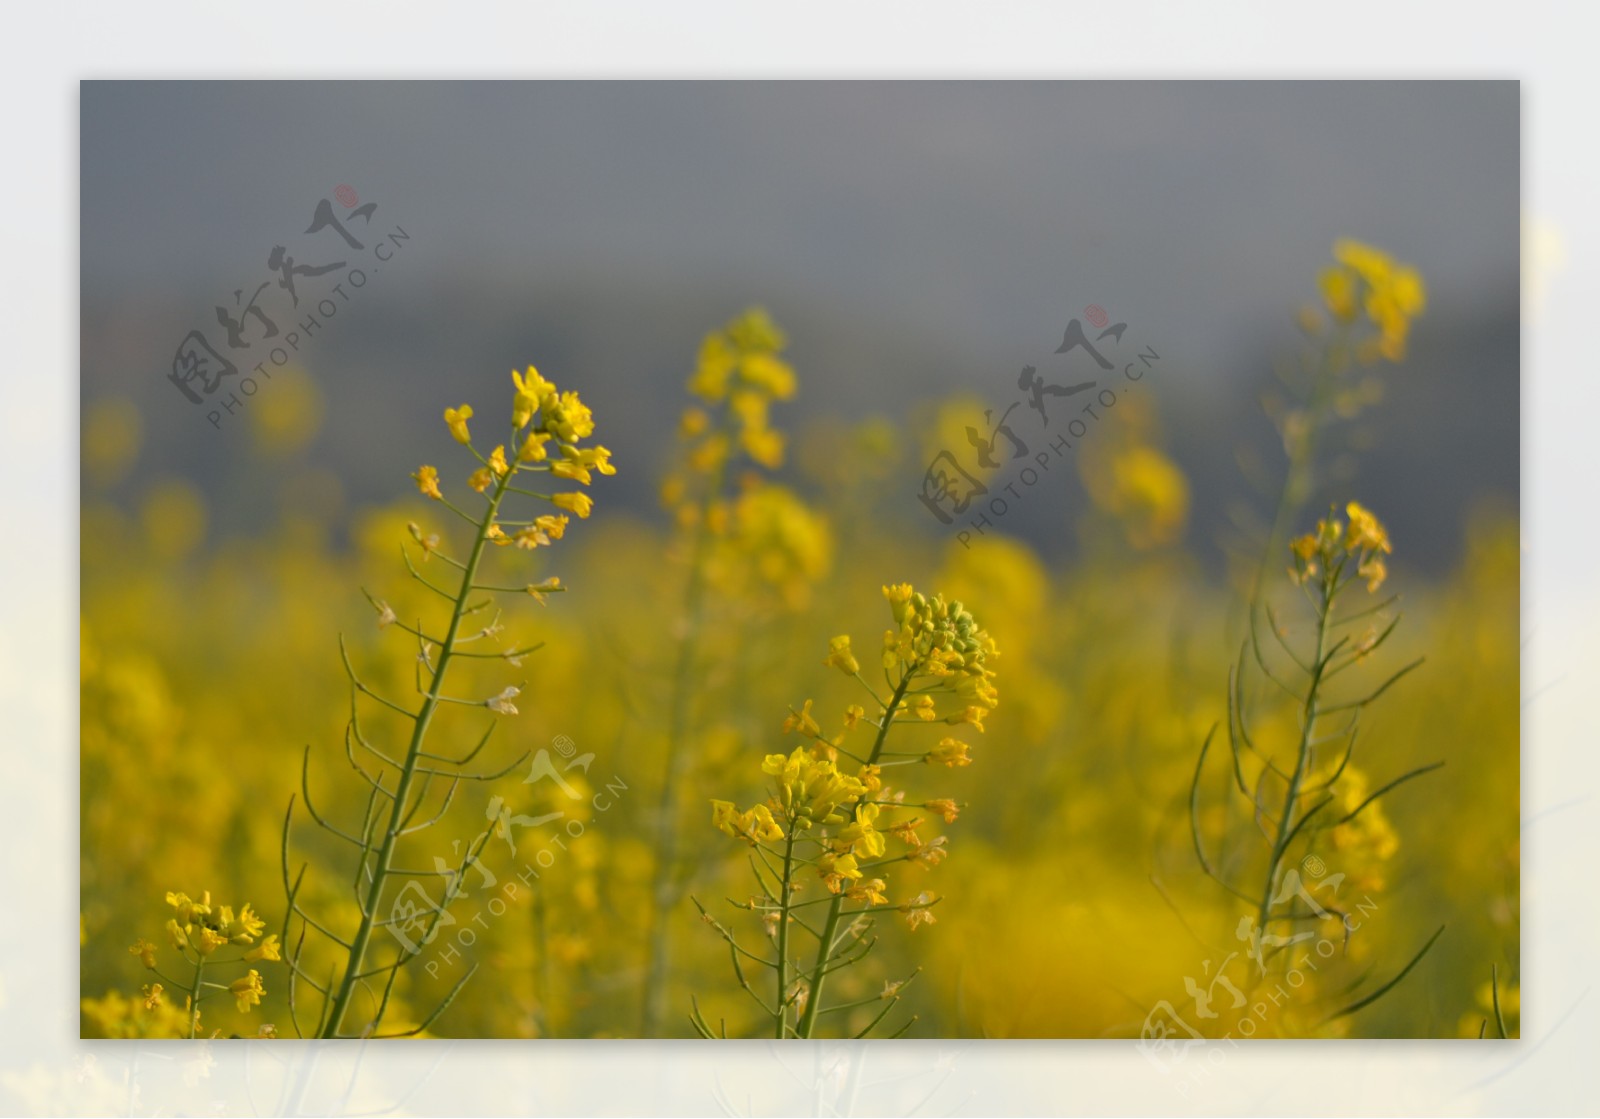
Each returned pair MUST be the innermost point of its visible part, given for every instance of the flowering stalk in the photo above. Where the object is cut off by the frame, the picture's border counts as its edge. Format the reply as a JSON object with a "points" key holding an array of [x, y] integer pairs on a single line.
{"points": [[664, 888], [1371, 299], [836, 824], [201, 933], [737, 375], [555, 418], [828, 940], [1325, 565]]}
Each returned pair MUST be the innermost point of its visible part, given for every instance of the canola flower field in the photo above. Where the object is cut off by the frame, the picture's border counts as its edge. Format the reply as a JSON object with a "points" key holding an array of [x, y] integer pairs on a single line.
{"points": [[491, 761]]}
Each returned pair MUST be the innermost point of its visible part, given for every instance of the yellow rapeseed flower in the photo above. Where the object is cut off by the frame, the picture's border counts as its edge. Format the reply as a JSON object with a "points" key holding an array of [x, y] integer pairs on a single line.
{"points": [[861, 837], [973, 715], [572, 471], [837, 869], [694, 422], [802, 721], [579, 503], [766, 371], [427, 479], [1338, 287], [754, 825], [532, 391], [871, 778], [918, 910], [268, 949], [1391, 294], [1365, 532], [899, 597], [810, 789], [764, 445], [247, 991], [539, 591], [188, 909], [576, 463], [713, 367], [870, 891], [249, 925], [597, 457], [532, 448], [567, 417], [457, 419], [840, 656], [1374, 571], [533, 384]]}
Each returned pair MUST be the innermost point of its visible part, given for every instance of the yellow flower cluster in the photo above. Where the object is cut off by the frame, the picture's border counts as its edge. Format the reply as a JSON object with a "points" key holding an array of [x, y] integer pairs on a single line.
{"points": [[559, 421], [941, 647], [810, 792], [754, 824], [810, 789], [198, 929], [1365, 843], [200, 926], [787, 545], [1365, 280], [1334, 548], [247, 990], [740, 370], [1129, 476], [942, 641], [146, 1015], [754, 535]]}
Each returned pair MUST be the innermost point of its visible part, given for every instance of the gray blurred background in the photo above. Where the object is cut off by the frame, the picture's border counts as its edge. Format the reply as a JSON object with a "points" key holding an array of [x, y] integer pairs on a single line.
{"points": [[915, 240]]}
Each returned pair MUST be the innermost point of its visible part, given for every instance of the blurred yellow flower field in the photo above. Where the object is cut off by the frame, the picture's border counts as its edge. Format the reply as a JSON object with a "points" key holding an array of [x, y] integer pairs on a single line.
{"points": [[496, 760]]}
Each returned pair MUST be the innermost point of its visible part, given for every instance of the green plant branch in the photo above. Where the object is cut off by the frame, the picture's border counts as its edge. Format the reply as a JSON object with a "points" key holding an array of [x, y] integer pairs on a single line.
{"points": [[355, 960], [830, 926]]}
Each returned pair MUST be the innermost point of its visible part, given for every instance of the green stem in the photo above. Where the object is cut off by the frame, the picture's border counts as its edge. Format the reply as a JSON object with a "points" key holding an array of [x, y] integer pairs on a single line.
{"points": [[782, 1025], [194, 997], [663, 892], [1297, 478], [355, 961], [1302, 762], [808, 1021]]}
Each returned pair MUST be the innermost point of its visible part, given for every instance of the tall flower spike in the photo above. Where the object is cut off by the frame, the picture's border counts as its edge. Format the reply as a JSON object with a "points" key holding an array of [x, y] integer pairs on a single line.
{"points": [[367, 957], [1324, 563], [835, 825], [745, 538]]}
